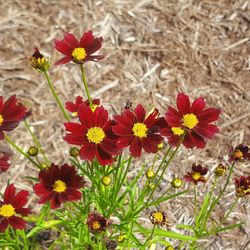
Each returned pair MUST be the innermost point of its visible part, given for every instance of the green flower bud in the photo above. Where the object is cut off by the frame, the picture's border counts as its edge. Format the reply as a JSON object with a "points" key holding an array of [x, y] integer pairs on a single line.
{"points": [[33, 151], [106, 180], [220, 170], [150, 173], [74, 152], [176, 183]]}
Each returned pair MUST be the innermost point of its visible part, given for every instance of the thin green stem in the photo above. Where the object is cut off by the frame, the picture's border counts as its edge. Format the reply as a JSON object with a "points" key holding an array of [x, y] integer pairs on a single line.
{"points": [[36, 141], [195, 199], [150, 236], [56, 96], [20, 151], [84, 80]]}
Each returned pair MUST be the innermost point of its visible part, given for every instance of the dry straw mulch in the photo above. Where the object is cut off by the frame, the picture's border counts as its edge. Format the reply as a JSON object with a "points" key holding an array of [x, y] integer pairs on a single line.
{"points": [[154, 49]]}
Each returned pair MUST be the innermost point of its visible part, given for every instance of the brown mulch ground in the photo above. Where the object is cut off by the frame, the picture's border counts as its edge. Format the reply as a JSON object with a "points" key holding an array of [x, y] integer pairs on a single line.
{"points": [[154, 49]]}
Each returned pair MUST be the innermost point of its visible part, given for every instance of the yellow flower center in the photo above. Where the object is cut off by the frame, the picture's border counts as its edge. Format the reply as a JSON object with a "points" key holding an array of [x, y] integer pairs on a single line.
{"points": [[79, 54], [1, 119], [59, 186], [96, 225], [140, 130], [158, 217], [190, 120], [95, 135], [177, 131], [196, 176], [7, 211], [238, 154]]}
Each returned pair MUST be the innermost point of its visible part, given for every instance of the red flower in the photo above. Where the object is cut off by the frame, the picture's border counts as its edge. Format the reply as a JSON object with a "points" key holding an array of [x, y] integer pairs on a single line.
{"points": [[193, 120], [11, 113], [12, 206], [79, 52], [97, 223], [242, 185], [58, 185], [94, 134], [197, 174], [4, 163], [74, 106], [239, 153], [137, 131]]}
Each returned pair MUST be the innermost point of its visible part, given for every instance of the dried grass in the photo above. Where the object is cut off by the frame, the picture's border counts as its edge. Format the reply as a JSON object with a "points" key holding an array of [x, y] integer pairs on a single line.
{"points": [[154, 49]]}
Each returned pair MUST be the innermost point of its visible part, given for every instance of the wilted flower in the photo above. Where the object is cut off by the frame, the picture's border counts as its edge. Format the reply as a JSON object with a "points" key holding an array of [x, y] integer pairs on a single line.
{"points": [[74, 106], [242, 186], [192, 121], [239, 153], [58, 185], [12, 206], [94, 134], [137, 130], [4, 162], [79, 52], [159, 218], [97, 223], [39, 61], [197, 174], [220, 170], [111, 244], [11, 113]]}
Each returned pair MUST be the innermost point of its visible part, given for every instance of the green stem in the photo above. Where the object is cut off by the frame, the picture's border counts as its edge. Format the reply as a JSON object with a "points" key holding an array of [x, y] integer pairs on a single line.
{"points": [[56, 96], [150, 236], [20, 150], [85, 85], [195, 199], [36, 141]]}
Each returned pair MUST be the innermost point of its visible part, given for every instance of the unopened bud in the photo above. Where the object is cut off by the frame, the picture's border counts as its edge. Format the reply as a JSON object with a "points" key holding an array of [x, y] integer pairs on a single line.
{"points": [[169, 248], [44, 165], [121, 238], [150, 173], [176, 183], [74, 152], [33, 151], [151, 185], [160, 146], [220, 170], [106, 180], [39, 61]]}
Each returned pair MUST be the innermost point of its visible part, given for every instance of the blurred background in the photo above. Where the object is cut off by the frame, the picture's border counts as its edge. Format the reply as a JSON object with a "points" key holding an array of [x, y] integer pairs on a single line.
{"points": [[153, 50]]}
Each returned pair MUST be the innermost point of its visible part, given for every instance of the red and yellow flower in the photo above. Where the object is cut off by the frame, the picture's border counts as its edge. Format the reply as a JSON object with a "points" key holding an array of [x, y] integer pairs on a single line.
{"points": [[79, 51], [97, 223], [137, 130], [197, 174], [11, 113], [58, 185], [74, 106], [239, 153], [94, 135], [12, 208], [242, 186], [192, 121], [4, 162]]}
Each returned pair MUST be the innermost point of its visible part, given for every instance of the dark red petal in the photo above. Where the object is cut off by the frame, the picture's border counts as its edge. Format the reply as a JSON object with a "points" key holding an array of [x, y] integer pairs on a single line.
{"points": [[74, 194], [183, 103], [88, 151], [1, 104], [17, 222], [55, 203], [87, 39], [173, 117], [209, 115], [152, 119], [74, 128], [64, 60], [63, 47], [85, 115], [140, 113], [198, 105], [74, 139], [94, 46], [197, 140], [135, 148], [103, 157], [149, 145], [206, 130], [100, 117], [9, 194], [71, 40], [188, 142], [121, 131], [94, 58], [108, 145], [47, 197], [3, 225], [23, 211], [123, 142], [41, 190], [21, 199]]}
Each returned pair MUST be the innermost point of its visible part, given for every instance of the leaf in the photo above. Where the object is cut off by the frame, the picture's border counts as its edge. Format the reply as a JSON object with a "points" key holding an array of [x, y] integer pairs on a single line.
{"points": [[42, 226], [183, 226], [229, 227]]}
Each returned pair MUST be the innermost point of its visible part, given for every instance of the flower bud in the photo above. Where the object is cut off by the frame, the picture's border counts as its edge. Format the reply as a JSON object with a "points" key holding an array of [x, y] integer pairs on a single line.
{"points": [[220, 170], [160, 146], [74, 152], [176, 183], [121, 238], [106, 180], [39, 62], [151, 185], [33, 151], [169, 248], [43, 165], [150, 173]]}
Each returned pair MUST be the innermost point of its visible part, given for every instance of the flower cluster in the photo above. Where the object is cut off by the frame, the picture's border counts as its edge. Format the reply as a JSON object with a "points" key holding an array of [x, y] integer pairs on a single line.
{"points": [[242, 185]]}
